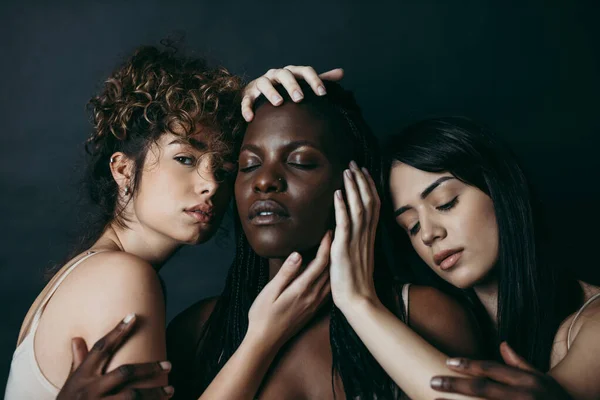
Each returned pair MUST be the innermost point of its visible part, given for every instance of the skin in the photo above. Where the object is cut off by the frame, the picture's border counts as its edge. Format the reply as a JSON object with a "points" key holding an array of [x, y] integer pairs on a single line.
{"points": [[289, 155], [175, 176], [158, 226], [436, 223], [454, 215]]}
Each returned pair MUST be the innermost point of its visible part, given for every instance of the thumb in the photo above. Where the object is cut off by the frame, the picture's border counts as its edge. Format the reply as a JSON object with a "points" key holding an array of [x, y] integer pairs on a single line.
{"points": [[511, 358], [79, 352], [287, 273]]}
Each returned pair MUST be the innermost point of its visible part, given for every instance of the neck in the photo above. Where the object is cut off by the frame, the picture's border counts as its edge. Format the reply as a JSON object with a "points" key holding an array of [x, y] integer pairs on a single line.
{"points": [[276, 263], [148, 245], [487, 293]]}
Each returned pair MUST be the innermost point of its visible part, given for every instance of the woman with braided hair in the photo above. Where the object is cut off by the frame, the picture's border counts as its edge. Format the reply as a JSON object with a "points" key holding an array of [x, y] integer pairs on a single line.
{"points": [[292, 160], [162, 160]]}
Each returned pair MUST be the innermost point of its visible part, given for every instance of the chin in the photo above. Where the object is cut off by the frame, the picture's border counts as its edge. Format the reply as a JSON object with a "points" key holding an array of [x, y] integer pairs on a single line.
{"points": [[463, 278], [196, 237], [271, 248]]}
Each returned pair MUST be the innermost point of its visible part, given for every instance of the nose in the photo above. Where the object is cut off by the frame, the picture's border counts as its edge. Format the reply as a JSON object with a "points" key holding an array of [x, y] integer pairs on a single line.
{"points": [[431, 230], [207, 184], [268, 181]]}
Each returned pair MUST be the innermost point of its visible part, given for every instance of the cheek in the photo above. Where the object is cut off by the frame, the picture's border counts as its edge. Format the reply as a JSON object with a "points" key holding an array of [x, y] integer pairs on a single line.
{"points": [[158, 190]]}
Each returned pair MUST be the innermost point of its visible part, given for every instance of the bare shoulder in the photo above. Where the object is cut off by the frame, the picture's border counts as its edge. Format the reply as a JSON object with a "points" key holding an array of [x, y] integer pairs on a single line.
{"points": [[109, 282], [443, 321], [577, 370], [91, 300]]}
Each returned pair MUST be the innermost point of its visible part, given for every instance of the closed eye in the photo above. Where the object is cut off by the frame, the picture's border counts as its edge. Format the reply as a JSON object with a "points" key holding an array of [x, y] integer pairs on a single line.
{"points": [[303, 166], [415, 229], [249, 168], [449, 205]]}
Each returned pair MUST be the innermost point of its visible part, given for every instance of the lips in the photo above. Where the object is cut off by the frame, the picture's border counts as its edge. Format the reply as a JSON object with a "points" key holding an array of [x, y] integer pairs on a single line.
{"points": [[447, 258], [267, 212], [201, 212]]}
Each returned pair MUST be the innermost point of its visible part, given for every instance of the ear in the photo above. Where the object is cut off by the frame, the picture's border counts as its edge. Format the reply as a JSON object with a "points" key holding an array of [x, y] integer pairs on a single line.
{"points": [[121, 168]]}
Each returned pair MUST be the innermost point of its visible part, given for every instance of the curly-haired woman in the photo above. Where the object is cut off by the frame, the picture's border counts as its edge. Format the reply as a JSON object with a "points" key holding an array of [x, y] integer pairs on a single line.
{"points": [[162, 154]]}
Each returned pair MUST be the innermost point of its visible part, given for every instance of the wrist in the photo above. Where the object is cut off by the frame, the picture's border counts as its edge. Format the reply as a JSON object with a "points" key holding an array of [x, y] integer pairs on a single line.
{"points": [[260, 343], [357, 304]]}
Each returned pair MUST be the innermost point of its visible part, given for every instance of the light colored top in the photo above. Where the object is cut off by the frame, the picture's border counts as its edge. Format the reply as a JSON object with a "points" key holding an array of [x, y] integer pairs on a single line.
{"points": [[583, 307], [26, 380]]}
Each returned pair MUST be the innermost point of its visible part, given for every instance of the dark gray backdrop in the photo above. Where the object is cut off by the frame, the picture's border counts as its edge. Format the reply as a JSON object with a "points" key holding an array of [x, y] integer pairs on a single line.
{"points": [[527, 68]]}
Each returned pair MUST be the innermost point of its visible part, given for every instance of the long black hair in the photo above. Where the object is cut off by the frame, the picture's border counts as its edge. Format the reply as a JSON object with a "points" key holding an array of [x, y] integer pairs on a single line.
{"points": [[534, 294], [360, 373]]}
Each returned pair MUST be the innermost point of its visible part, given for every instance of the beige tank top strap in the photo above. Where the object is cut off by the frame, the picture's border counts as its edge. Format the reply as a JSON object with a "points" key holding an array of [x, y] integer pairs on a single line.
{"points": [[405, 288], [587, 303], [38, 313]]}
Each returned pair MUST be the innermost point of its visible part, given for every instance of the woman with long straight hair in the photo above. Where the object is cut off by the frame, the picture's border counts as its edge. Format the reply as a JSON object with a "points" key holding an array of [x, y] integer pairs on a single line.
{"points": [[459, 198]]}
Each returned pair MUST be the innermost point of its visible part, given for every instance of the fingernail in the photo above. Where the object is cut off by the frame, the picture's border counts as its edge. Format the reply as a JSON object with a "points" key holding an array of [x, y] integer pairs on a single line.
{"points": [[165, 365], [297, 96], [338, 193], [321, 90], [454, 362], [348, 174], [295, 257], [276, 99], [435, 382], [169, 390], [365, 171], [128, 318], [353, 165]]}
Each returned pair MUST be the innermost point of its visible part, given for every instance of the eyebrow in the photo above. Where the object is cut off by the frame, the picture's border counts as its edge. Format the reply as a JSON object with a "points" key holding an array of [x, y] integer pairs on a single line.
{"points": [[424, 193], [197, 144], [294, 144]]}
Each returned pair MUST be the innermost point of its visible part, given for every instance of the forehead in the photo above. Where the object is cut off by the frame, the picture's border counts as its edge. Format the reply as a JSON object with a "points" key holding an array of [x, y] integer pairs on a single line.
{"points": [[407, 182], [290, 122]]}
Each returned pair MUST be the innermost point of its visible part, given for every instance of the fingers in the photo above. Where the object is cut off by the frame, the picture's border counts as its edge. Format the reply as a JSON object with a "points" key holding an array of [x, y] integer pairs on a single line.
{"points": [[265, 86], [288, 78], [310, 76], [368, 193], [315, 268], [130, 373], [342, 221], [477, 387], [247, 102], [493, 370], [104, 348], [511, 358], [333, 75], [288, 271], [289, 82], [354, 202], [144, 394], [79, 352]]}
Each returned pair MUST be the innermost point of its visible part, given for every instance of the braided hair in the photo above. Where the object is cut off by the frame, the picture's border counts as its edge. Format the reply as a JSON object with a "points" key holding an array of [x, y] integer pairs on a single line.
{"points": [[361, 375]]}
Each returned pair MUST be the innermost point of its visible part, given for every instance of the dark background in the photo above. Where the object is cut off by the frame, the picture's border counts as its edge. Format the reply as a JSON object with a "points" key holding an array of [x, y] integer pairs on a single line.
{"points": [[528, 69]]}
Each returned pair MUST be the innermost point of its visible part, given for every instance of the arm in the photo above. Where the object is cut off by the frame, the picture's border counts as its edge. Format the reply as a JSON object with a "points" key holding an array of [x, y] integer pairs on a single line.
{"points": [[408, 358], [110, 285], [283, 307], [575, 377], [87, 382]]}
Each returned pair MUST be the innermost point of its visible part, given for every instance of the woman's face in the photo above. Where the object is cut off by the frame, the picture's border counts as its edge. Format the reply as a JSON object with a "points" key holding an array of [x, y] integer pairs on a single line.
{"points": [[180, 195], [288, 171], [451, 225]]}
